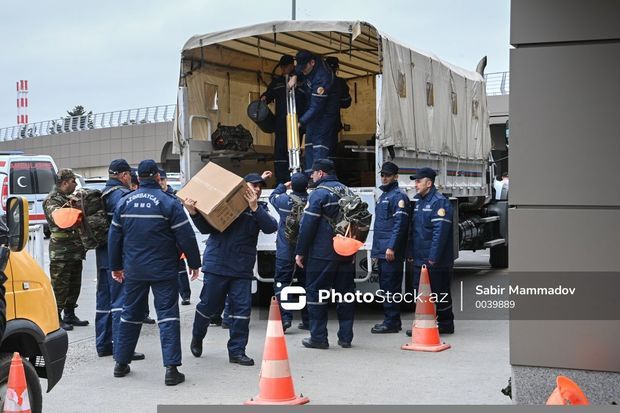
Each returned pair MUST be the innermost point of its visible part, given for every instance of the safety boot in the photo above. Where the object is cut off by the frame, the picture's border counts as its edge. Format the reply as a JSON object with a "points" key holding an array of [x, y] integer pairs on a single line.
{"points": [[241, 359], [196, 347], [286, 325], [173, 376], [63, 325], [121, 370], [71, 318]]}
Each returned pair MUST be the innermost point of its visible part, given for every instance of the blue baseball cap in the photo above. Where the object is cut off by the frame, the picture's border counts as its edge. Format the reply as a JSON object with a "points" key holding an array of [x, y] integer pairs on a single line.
{"points": [[333, 62], [299, 182], [325, 165], [389, 168], [255, 178], [147, 168], [162, 174], [424, 173], [117, 166], [302, 58], [286, 60]]}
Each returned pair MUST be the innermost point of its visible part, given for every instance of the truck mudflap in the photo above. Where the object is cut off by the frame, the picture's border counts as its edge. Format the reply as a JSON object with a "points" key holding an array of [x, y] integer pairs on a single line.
{"points": [[54, 351]]}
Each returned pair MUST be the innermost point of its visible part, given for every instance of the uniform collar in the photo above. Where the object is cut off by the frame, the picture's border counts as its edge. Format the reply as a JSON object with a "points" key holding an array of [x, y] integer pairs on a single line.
{"points": [[389, 187], [430, 194], [327, 178], [300, 193], [113, 182], [149, 183]]}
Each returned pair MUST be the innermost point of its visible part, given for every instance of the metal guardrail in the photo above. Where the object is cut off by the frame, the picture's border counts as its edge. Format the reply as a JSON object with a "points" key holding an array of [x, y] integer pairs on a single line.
{"points": [[124, 117], [498, 83], [35, 245]]}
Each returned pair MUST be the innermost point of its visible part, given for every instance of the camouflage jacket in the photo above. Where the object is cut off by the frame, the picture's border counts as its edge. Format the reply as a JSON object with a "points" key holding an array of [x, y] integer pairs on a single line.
{"points": [[65, 244]]}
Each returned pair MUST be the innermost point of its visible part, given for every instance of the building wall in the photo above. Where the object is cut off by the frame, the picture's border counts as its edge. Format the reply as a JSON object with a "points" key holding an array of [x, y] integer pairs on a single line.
{"points": [[90, 152], [565, 215]]}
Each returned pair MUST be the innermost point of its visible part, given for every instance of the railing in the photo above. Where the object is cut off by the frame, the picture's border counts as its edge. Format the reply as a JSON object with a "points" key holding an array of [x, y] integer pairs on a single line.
{"points": [[498, 83], [89, 121], [35, 245]]}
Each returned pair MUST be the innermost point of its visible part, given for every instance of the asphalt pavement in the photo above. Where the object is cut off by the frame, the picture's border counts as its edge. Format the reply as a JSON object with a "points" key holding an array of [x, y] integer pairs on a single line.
{"points": [[374, 371]]}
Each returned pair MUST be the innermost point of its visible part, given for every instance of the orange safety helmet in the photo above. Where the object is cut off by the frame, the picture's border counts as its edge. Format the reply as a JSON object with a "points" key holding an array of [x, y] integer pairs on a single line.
{"points": [[346, 246], [66, 217]]}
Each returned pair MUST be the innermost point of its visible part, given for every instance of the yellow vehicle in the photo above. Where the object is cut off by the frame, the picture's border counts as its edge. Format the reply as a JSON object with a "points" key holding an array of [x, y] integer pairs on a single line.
{"points": [[32, 327]]}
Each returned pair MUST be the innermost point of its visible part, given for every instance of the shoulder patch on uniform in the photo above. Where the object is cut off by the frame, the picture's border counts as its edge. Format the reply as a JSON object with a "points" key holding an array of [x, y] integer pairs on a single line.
{"points": [[320, 90], [401, 203], [441, 212]]}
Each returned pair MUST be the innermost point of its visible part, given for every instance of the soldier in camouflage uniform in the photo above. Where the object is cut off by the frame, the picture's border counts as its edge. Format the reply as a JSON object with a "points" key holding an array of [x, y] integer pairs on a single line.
{"points": [[66, 253]]}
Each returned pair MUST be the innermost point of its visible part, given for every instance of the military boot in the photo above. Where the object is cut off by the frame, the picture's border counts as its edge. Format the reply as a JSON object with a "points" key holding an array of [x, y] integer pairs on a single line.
{"points": [[64, 325], [71, 318]]}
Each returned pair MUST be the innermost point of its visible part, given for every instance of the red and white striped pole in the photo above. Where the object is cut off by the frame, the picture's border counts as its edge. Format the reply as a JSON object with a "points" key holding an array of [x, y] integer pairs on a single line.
{"points": [[22, 102]]}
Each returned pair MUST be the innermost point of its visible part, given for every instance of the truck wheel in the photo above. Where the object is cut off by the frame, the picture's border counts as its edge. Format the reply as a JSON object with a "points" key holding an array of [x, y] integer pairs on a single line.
{"points": [[499, 256], [32, 379]]}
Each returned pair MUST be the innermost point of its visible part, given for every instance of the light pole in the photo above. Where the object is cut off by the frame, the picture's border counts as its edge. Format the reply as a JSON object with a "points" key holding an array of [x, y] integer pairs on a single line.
{"points": [[294, 12]]}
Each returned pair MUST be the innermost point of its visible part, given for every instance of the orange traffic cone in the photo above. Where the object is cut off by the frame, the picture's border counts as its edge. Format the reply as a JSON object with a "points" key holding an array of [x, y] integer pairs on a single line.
{"points": [[276, 384], [567, 392], [424, 332], [16, 399]]}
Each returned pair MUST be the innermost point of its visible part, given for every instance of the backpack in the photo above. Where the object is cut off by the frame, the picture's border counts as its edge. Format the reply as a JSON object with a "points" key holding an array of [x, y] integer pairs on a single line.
{"points": [[353, 219], [94, 227], [232, 138], [293, 219]]}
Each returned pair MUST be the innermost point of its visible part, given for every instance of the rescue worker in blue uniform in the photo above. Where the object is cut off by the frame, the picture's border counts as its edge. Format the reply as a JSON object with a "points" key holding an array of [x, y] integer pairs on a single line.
{"points": [[147, 227], [340, 89], [228, 265], [325, 269], [276, 91], [109, 301], [322, 106], [389, 244], [135, 184], [184, 290], [286, 269], [431, 244]]}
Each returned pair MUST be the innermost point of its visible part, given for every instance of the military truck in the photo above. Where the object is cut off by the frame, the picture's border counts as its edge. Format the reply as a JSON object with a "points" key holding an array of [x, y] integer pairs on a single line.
{"points": [[409, 106]]}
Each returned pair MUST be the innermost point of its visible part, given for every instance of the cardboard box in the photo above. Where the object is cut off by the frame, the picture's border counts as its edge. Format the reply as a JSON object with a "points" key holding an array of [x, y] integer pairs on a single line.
{"points": [[218, 194]]}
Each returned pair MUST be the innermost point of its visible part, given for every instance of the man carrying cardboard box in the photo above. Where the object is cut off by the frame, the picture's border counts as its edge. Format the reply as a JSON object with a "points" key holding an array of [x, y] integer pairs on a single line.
{"points": [[228, 265]]}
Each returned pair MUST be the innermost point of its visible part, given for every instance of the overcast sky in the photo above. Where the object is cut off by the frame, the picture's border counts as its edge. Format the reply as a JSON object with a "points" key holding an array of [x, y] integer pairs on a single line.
{"points": [[113, 54]]}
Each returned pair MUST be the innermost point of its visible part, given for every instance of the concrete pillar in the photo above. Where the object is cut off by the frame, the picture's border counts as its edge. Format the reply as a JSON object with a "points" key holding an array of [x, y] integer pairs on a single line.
{"points": [[564, 155]]}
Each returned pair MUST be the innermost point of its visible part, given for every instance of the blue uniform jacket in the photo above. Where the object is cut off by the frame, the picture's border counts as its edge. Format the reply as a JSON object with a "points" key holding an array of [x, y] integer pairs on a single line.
{"points": [[111, 200], [282, 202], [316, 234], [391, 222], [317, 86], [232, 253], [148, 225], [430, 236]]}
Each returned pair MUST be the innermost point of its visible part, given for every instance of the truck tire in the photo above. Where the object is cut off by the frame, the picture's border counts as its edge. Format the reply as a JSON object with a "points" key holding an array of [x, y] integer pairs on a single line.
{"points": [[32, 379], [499, 256]]}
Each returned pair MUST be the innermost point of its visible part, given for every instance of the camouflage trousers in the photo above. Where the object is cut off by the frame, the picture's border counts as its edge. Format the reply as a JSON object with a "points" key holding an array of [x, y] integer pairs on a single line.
{"points": [[66, 281]]}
